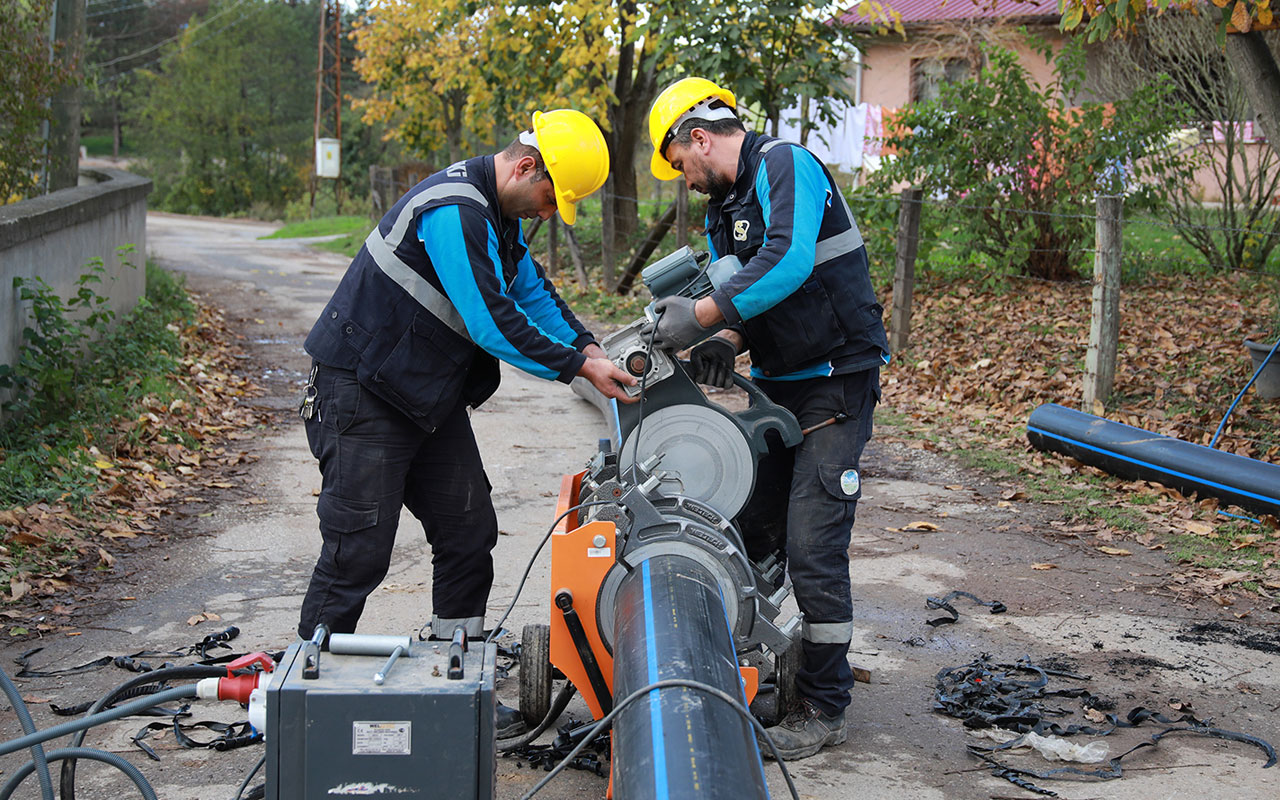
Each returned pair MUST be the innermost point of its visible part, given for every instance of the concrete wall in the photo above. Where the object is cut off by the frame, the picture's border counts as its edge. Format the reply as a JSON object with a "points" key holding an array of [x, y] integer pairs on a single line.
{"points": [[54, 236]]}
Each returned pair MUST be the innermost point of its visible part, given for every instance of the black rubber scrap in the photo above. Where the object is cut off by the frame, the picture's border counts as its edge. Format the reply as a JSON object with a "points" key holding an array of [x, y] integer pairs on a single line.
{"points": [[944, 604], [987, 694]]}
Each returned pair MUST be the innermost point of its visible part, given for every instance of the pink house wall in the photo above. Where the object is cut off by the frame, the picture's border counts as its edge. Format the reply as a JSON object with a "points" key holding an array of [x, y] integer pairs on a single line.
{"points": [[886, 75], [886, 81]]}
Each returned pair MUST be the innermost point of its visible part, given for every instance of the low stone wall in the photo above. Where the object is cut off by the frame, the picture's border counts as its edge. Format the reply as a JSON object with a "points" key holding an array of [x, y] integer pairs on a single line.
{"points": [[55, 236]]}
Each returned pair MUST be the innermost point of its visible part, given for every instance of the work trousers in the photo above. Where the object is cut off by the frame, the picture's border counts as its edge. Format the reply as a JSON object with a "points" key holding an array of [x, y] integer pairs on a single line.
{"points": [[374, 460], [802, 510]]}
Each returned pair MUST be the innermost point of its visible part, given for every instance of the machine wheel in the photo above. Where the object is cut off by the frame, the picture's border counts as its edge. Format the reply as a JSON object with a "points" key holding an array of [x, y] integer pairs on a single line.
{"points": [[785, 666], [535, 673]]}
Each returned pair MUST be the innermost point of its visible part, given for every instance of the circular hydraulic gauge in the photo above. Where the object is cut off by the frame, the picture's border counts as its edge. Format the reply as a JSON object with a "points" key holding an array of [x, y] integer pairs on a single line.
{"points": [[705, 455]]}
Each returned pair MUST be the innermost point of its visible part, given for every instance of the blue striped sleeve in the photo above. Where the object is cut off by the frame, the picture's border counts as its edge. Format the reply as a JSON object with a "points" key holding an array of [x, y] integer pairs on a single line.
{"points": [[463, 248], [793, 193]]}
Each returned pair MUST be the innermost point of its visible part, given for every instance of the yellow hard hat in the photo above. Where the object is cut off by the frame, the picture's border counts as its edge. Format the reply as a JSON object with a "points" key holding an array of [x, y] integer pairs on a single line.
{"points": [[668, 111], [575, 154]]}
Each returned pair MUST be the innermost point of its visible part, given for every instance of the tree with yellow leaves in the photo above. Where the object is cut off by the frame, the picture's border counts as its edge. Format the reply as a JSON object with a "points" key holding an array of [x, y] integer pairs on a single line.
{"points": [[1240, 23]]}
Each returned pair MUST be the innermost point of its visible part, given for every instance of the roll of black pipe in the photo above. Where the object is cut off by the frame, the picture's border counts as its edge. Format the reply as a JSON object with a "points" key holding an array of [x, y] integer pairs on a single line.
{"points": [[1136, 454]]}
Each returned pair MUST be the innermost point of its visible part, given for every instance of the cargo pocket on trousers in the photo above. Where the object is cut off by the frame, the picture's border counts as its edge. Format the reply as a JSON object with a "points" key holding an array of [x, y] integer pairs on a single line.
{"points": [[346, 516], [841, 482]]}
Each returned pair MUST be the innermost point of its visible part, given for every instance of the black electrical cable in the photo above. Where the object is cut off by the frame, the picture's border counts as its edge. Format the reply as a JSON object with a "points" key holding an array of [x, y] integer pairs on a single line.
{"points": [[249, 777], [529, 567], [89, 753], [635, 451], [38, 758], [557, 708], [67, 778], [667, 683]]}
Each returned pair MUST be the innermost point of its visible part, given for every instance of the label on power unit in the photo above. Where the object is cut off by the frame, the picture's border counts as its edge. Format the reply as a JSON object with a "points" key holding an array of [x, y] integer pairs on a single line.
{"points": [[381, 738]]}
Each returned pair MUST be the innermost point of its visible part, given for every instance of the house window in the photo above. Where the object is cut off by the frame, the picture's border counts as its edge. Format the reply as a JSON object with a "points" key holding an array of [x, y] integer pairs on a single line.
{"points": [[929, 74]]}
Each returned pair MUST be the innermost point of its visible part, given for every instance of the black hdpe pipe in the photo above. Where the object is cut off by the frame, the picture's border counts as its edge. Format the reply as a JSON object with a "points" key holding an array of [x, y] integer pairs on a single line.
{"points": [[1136, 454], [670, 622]]}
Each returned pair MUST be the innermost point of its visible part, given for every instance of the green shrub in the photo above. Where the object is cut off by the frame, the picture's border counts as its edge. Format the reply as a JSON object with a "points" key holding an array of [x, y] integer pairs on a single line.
{"points": [[76, 373], [1019, 167]]}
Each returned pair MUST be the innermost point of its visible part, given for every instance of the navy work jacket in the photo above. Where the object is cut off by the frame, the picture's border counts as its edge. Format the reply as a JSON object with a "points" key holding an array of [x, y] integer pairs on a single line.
{"points": [[803, 298], [424, 344]]}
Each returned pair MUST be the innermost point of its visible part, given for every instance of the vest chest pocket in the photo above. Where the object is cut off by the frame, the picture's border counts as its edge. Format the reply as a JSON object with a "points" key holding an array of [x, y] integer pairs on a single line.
{"points": [[803, 328], [426, 368]]}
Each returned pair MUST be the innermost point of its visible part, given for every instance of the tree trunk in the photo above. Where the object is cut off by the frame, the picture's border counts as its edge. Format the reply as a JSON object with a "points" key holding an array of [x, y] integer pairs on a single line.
{"points": [[64, 128], [634, 88], [1255, 63]]}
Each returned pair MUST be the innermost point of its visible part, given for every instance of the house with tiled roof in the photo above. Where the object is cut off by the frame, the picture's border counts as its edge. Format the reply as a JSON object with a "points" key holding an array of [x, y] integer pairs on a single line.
{"points": [[941, 43]]}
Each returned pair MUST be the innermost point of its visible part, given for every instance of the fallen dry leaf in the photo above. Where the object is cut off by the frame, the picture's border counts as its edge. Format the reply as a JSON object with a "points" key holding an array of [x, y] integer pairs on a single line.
{"points": [[1114, 551], [1198, 528], [1044, 566], [921, 526]]}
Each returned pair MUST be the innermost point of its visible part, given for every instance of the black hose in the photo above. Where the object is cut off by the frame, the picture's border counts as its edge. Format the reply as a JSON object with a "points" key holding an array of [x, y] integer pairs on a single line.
{"points": [[67, 778], [557, 708], [114, 760], [38, 758]]}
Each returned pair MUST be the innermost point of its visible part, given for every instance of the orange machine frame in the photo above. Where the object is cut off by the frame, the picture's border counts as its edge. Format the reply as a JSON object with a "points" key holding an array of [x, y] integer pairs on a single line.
{"points": [[578, 565]]}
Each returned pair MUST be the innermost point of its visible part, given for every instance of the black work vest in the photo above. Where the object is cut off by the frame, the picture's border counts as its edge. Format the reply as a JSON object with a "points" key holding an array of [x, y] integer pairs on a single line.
{"points": [[389, 320], [834, 315]]}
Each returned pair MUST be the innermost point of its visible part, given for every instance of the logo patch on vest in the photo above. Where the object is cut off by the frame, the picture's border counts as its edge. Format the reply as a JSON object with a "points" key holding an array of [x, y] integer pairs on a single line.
{"points": [[849, 482], [458, 170], [740, 228]]}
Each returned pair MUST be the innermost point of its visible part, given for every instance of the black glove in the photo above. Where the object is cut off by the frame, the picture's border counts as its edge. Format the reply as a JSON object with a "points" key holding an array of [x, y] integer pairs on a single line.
{"points": [[677, 325], [712, 362]]}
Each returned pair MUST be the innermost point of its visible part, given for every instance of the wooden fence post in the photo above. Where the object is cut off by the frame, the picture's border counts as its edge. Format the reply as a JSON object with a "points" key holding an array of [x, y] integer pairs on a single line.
{"points": [[553, 255], [904, 271], [1104, 330], [682, 214], [608, 257]]}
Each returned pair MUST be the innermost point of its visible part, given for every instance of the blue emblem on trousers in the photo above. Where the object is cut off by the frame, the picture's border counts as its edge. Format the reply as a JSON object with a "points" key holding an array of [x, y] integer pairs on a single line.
{"points": [[849, 482]]}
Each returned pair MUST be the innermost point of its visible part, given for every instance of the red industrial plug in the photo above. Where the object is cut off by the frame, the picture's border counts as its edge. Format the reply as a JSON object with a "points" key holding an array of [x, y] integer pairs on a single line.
{"points": [[236, 687]]}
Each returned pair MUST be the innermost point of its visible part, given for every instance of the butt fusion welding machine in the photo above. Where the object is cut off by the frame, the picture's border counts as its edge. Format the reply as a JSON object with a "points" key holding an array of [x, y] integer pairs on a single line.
{"points": [[658, 499], [647, 525]]}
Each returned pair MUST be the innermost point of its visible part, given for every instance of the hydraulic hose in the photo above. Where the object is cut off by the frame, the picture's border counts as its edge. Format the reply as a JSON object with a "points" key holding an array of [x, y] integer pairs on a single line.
{"points": [[553, 713], [176, 693], [67, 777], [114, 760], [38, 759]]}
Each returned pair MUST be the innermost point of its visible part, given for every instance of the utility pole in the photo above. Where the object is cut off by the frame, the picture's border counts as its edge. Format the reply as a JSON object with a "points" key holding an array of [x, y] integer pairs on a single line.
{"points": [[328, 129], [64, 130]]}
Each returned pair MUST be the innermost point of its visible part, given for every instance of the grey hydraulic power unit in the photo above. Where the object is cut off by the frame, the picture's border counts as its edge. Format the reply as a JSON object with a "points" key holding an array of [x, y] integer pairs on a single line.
{"points": [[382, 715]]}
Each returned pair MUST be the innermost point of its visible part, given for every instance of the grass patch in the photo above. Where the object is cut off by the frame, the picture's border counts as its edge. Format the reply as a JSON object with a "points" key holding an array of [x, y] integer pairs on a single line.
{"points": [[100, 145], [324, 226], [347, 245]]}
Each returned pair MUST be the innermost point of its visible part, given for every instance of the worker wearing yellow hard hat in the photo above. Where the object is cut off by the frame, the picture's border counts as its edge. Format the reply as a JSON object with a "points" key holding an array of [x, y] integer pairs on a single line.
{"points": [[804, 307], [575, 155], [443, 288]]}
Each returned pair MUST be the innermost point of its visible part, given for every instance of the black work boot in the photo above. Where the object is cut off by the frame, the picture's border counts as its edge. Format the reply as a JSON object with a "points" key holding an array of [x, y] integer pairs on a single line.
{"points": [[804, 732], [509, 722]]}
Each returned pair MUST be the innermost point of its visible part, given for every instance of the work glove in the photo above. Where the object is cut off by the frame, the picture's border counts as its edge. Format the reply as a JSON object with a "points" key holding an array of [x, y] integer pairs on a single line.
{"points": [[712, 362], [677, 326]]}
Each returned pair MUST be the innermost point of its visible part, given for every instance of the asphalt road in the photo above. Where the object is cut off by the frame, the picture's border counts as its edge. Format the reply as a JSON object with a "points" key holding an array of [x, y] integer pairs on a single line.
{"points": [[245, 554]]}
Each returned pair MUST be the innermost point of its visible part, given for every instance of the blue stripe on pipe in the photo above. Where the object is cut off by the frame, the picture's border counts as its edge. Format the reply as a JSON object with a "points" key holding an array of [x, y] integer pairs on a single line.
{"points": [[1157, 467], [655, 695]]}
